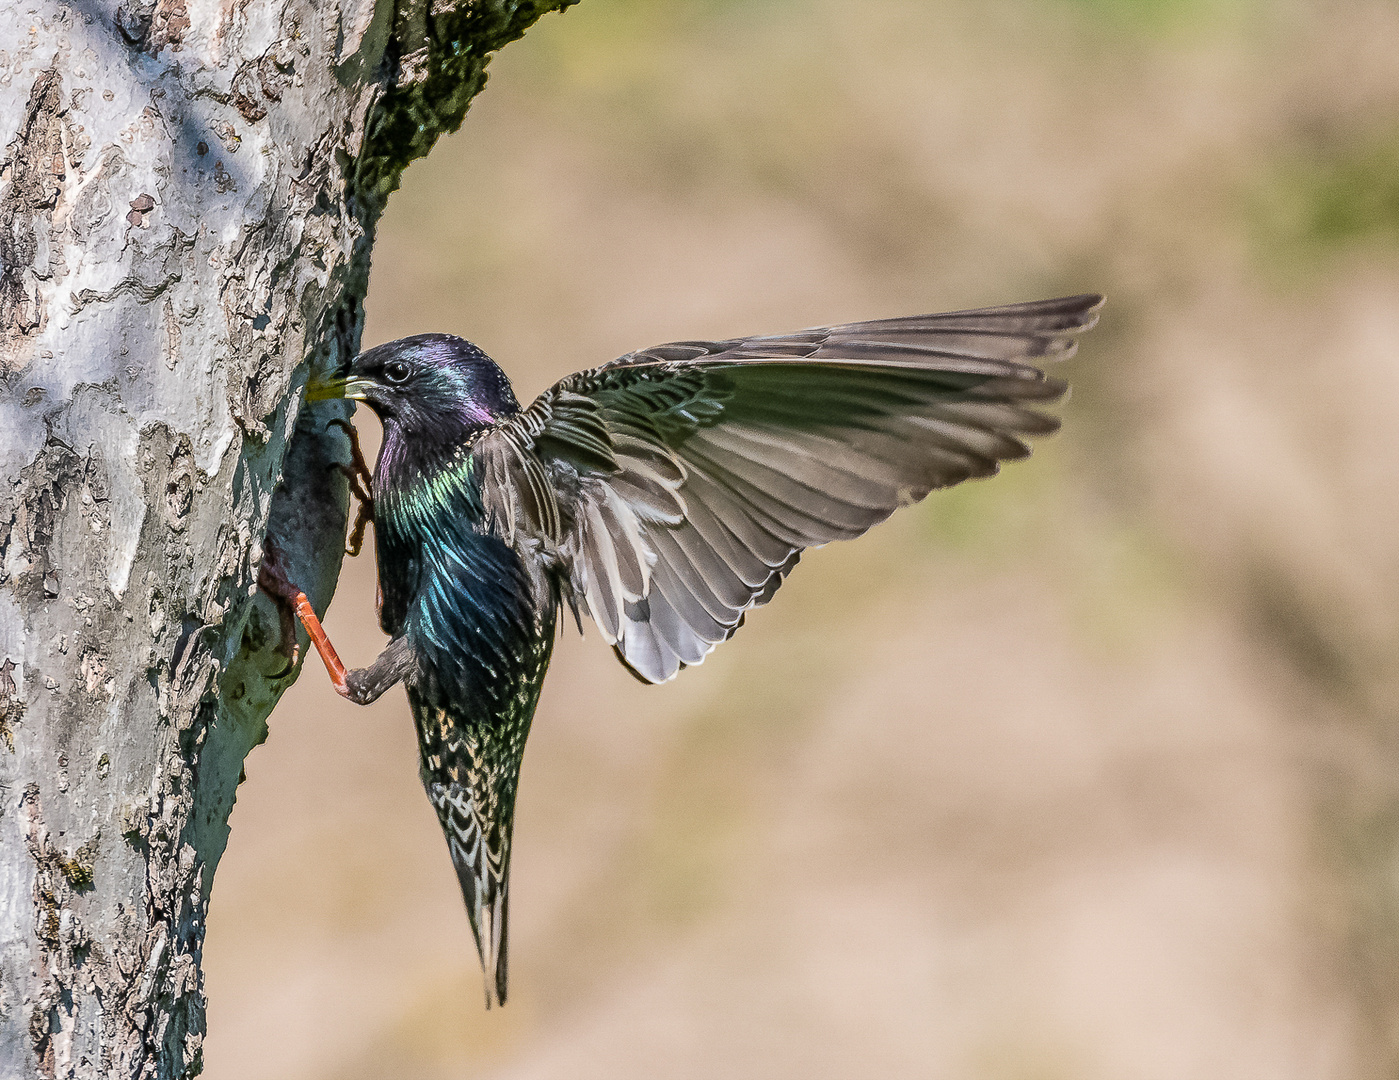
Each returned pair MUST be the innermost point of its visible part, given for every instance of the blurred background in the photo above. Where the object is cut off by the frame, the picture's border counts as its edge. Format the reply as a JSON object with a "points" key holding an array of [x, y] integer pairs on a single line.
{"points": [[1087, 771]]}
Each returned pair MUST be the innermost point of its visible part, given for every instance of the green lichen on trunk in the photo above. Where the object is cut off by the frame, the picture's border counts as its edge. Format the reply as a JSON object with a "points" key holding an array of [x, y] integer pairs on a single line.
{"points": [[427, 89]]}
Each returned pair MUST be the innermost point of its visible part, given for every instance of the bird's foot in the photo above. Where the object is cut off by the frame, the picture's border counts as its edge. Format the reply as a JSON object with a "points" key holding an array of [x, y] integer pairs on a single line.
{"points": [[361, 486], [292, 602], [364, 514], [272, 579]]}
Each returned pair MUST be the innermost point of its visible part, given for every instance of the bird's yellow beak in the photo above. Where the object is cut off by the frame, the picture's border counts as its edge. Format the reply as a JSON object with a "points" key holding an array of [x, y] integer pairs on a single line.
{"points": [[326, 387]]}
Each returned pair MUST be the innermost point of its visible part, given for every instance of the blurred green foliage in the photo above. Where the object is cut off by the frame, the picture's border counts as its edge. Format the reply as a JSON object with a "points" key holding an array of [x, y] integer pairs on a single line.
{"points": [[1158, 16], [1332, 194]]}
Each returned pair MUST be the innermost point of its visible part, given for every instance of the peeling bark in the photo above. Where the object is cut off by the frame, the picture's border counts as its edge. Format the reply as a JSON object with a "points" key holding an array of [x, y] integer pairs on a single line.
{"points": [[188, 195]]}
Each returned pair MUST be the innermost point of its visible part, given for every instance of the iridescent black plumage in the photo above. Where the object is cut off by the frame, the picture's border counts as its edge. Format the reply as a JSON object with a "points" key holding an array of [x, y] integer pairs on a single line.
{"points": [[663, 495], [478, 619]]}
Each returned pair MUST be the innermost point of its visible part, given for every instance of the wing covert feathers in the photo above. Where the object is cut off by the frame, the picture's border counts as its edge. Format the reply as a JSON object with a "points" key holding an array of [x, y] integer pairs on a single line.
{"points": [[678, 485]]}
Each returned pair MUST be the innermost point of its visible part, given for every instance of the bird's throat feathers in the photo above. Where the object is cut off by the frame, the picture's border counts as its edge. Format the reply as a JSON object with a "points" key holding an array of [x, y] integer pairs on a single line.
{"points": [[433, 451]]}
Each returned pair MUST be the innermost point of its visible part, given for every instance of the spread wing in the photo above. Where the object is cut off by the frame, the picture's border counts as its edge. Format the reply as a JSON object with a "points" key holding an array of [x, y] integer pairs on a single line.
{"points": [[677, 486]]}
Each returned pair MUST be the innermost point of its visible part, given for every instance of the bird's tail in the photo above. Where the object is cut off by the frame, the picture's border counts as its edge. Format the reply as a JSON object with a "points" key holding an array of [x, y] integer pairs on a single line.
{"points": [[480, 849], [488, 906]]}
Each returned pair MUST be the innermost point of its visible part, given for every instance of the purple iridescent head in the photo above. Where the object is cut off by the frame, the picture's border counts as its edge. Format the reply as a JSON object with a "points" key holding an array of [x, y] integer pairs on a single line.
{"points": [[425, 383]]}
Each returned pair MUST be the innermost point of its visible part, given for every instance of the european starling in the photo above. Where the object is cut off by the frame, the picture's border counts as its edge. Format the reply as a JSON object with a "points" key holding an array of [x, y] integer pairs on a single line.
{"points": [[663, 495]]}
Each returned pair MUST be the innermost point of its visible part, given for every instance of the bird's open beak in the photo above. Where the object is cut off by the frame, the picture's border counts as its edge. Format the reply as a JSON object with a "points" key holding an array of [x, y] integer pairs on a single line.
{"points": [[325, 387]]}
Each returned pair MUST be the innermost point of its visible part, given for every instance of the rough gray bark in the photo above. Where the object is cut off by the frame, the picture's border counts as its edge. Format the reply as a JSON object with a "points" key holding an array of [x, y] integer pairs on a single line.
{"points": [[188, 194]]}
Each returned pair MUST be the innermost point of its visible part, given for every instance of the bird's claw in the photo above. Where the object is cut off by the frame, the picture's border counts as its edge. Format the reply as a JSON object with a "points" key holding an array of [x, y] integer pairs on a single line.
{"points": [[294, 605], [361, 486], [272, 579], [364, 512]]}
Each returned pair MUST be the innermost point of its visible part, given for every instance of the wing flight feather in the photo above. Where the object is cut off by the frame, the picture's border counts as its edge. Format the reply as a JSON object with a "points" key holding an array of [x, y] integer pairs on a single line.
{"points": [[678, 485]]}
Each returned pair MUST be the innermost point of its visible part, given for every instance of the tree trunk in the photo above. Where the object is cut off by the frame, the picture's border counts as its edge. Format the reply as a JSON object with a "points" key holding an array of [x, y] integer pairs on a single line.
{"points": [[188, 198]]}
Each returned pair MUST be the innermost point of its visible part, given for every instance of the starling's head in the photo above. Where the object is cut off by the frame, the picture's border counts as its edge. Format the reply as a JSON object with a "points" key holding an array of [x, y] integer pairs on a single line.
{"points": [[423, 383]]}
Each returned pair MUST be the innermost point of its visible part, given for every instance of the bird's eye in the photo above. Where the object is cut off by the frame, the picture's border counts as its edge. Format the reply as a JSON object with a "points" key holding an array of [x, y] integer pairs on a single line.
{"points": [[396, 371]]}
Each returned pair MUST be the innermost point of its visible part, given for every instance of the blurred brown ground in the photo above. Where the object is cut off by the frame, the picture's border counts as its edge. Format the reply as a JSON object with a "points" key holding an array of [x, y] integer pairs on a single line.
{"points": [[1084, 772]]}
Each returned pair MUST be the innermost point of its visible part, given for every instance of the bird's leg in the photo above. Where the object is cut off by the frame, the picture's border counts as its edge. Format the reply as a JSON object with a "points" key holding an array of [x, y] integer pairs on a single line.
{"points": [[361, 485], [272, 577], [366, 684], [292, 603], [361, 685]]}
